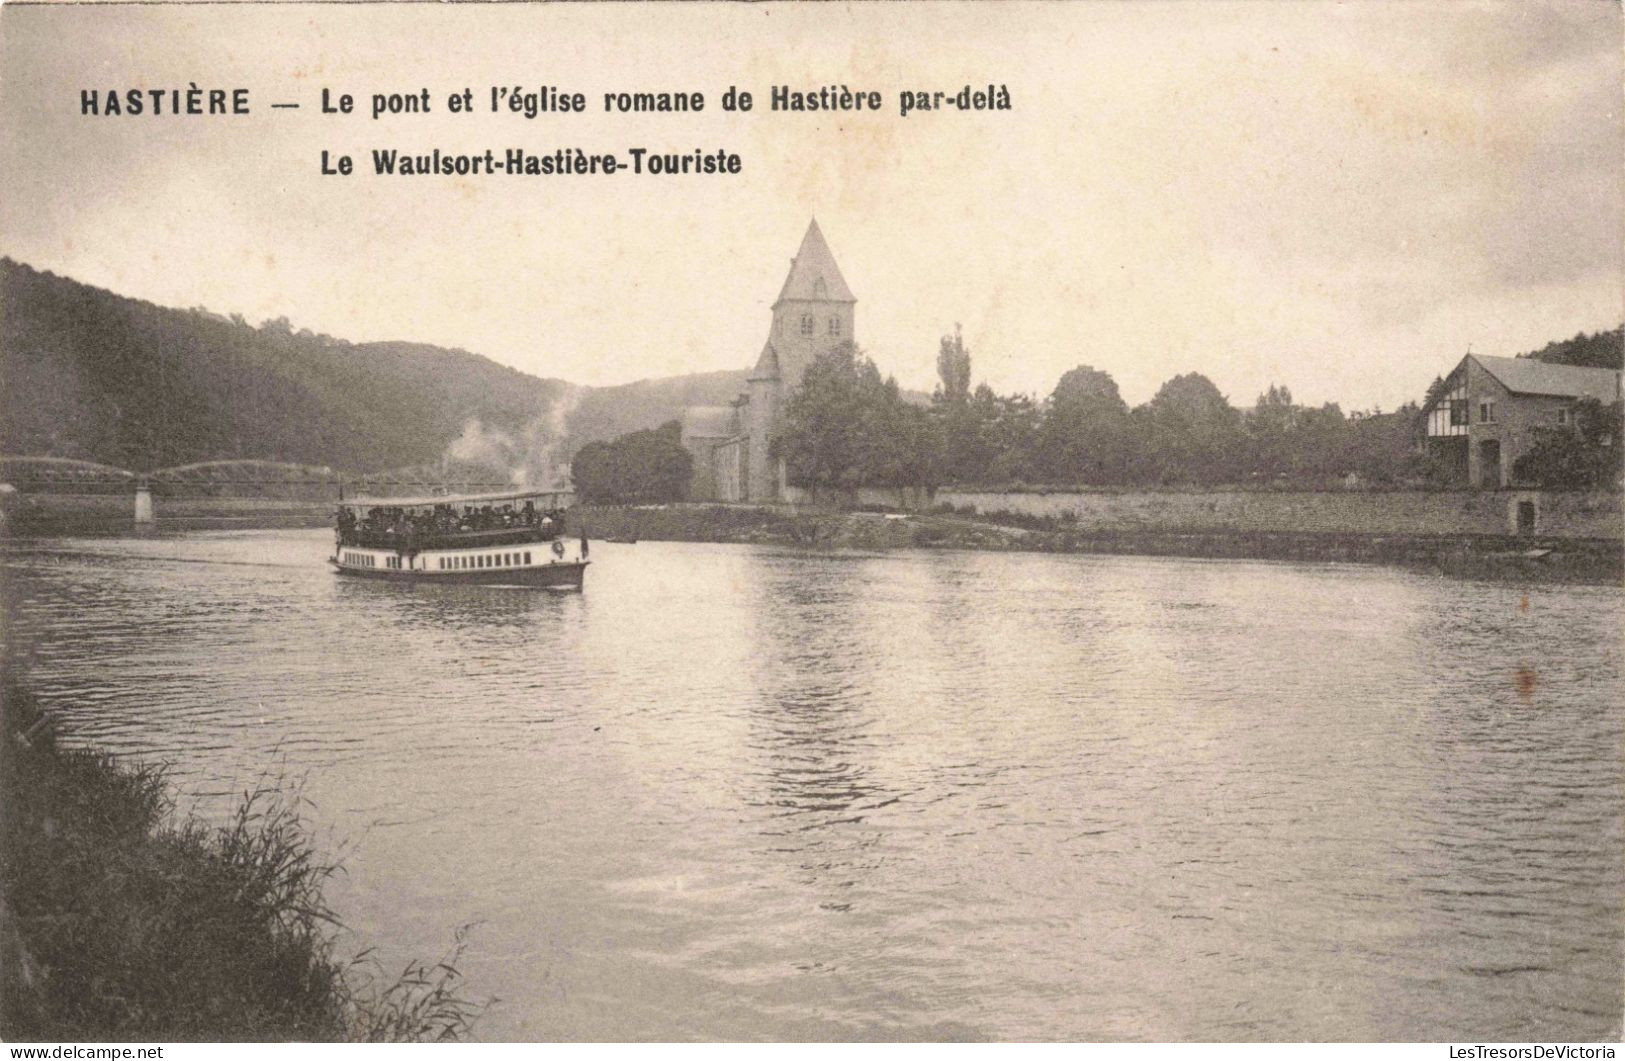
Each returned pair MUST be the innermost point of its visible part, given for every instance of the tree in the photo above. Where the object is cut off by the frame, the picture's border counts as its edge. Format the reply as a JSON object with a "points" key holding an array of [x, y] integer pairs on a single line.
{"points": [[951, 404], [846, 427], [1382, 447], [1269, 425], [1586, 456], [1086, 435], [1008, 426], [640, 468], [1191, 432], [953, 370]]}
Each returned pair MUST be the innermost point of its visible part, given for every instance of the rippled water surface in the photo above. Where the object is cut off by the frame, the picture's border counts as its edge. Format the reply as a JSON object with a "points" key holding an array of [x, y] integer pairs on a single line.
{"points": [[741, 792]]}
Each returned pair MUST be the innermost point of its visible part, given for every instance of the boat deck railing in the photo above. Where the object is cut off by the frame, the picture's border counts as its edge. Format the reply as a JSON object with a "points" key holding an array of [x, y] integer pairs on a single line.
{"points": [[412, 540]]}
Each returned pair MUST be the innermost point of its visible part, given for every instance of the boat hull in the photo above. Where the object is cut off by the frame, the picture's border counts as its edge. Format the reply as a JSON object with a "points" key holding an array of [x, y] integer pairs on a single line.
{"points": [[559, 575]]}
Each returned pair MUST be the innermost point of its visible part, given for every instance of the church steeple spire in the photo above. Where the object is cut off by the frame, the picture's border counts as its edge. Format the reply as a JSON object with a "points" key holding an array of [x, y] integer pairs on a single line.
{"points": [[813, 313], [814, 276]]}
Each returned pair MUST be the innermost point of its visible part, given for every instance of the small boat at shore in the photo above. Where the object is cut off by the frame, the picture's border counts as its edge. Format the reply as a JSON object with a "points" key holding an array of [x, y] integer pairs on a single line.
{"points": [[515, 539]]}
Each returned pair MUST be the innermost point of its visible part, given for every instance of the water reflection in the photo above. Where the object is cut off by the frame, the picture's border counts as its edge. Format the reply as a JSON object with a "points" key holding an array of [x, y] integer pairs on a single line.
{"points": [[737, 792], [452, 606], [808, 722]]}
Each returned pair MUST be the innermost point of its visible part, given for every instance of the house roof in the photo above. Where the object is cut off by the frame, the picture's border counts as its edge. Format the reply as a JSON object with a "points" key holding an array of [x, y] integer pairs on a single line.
{"points": [[814, 263], [1525, 375], [709, 421]]}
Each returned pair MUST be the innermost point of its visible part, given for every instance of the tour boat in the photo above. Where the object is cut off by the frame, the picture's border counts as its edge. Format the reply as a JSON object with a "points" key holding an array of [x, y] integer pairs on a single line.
{"points": [[492, 539]]}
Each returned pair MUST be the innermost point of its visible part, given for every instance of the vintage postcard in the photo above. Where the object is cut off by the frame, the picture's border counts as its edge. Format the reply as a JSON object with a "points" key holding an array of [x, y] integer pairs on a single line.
{"points": [[812, 522]]}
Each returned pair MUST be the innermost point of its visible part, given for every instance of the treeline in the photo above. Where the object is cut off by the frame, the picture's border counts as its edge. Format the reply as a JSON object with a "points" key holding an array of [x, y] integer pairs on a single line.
{"points": [[1595, 350], [96, 376], [847, 426], [640, 467]]}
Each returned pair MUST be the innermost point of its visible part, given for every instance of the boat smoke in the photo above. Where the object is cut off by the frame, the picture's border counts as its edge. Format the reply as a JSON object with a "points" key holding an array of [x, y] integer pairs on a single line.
{"points": [[535, 457]]}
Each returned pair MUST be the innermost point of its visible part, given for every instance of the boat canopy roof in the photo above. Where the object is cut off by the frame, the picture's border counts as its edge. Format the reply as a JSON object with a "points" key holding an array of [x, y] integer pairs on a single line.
{"points": [[543, 499]]}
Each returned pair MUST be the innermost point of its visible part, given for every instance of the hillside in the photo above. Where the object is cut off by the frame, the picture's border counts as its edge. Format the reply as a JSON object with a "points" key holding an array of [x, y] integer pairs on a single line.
{"points": [[94, 375], [97, 376], [605, 413], [1599, 350]]}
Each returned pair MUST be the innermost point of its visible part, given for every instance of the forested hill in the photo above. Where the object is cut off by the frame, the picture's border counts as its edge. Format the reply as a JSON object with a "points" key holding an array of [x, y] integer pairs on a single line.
{"points": [[90, 374], [604, 413], [97, 376], [1599, 350]]}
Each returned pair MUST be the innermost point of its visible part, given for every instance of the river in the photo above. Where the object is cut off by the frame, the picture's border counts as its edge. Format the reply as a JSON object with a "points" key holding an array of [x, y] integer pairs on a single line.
{"points": [[748, 792]]}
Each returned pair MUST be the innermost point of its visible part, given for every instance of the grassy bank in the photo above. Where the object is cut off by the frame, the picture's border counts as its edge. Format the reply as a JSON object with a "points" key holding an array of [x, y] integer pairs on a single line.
{"points": [[1479, 556], [120, 922]]}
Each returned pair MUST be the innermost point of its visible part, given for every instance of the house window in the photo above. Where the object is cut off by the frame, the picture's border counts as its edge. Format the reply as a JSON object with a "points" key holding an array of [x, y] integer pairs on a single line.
{"points": [[527, 556], [1486, 412], [1458, 413], [1563, 418], [835, 326], [807, 324]]}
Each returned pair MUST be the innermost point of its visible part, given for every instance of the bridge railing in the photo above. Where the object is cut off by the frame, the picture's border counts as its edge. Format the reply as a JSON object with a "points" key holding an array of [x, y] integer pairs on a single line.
{"points": [[246, 479]]}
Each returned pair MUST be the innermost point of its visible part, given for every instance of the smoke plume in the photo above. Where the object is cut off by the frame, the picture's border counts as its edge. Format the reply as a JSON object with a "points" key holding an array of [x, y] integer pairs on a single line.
{"points": [[534, 457]]}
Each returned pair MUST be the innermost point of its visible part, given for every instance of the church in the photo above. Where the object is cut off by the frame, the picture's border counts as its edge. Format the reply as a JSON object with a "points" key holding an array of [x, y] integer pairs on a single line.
{"points": [[729, 443]]}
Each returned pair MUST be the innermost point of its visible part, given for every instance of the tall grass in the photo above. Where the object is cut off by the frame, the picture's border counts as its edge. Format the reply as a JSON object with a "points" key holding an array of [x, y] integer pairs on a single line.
{"points": [[120, 922]]}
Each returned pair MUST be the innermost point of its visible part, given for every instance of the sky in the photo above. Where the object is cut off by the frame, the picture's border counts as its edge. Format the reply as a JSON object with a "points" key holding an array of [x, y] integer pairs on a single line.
{"points": [[1341, 198]]}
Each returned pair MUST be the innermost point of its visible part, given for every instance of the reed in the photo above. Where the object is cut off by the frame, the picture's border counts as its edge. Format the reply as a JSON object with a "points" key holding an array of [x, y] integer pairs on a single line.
{"points": [[120, 922]]}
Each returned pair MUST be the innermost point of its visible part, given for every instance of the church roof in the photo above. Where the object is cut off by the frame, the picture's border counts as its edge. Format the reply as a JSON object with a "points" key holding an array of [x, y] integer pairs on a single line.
{"points": [[814, 276], [767, 365]]}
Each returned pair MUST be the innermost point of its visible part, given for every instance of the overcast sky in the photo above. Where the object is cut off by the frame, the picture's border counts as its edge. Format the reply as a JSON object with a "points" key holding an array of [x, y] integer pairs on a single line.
{"points": [[1338, 197]]}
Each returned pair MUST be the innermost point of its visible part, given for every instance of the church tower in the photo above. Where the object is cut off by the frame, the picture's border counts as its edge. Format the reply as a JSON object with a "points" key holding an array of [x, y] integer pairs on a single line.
{"points": [[813, 313]]}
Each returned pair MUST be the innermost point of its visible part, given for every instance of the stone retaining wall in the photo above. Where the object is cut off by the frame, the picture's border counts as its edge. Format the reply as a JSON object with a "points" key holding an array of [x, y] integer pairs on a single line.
{"points": [[1556, 514]]}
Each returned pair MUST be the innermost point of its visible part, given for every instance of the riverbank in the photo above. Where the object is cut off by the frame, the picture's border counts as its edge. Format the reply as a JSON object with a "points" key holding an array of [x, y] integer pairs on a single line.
{"points": [[1242, 534], [118, 922], [1594, 561]]}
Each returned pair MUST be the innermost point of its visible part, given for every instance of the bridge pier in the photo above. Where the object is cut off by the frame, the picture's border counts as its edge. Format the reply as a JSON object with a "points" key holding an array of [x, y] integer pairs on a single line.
{"points": [[143, 505]]}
